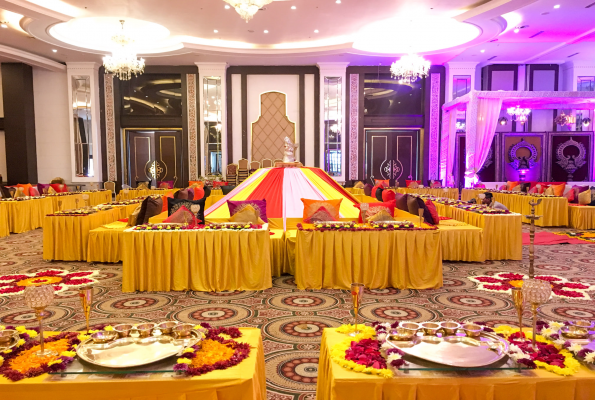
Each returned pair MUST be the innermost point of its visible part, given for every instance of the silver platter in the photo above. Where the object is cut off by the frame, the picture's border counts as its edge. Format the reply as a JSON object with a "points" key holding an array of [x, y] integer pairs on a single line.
{"points": [[133, 352], [456, 351], [14, 339]]}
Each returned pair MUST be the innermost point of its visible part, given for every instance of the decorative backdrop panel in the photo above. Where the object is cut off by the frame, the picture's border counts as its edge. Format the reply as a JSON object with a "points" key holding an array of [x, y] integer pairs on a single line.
{"points": [[353, 124], [434, 125], [523, 151], [110, 127], [192, 131], [570, 157], [271, 128]]}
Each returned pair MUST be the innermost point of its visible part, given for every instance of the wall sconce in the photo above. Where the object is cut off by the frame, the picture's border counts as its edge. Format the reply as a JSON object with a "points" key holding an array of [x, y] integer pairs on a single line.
{"points": [[586, 122], [503, 121]]}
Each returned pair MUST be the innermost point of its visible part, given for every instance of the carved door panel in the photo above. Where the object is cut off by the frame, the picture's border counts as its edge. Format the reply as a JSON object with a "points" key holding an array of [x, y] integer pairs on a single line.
{"points": [[155, 156], [141, 151], [168, 156], [392, 154]]}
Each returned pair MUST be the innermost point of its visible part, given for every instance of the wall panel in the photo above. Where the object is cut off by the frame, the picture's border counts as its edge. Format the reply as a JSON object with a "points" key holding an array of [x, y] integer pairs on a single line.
{"points": [[309, 118]]}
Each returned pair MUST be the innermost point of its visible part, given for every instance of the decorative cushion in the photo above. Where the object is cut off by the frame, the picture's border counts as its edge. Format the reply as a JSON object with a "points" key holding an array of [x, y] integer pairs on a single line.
{"points": [[388, 195], [247, 214], [517, 188], [534, 190], [412, 205], [382, 215], [558, 189], [412, 184], [183, 215], [384, 183], [479, 185], [368, 189], [133, 217], [525, 186], [511, 184], [426, 212], [549, 191], [374, 190], [33, 191], [42, 188], [433, 212], [5, 192], [199, 193], [165, 184], [577, 191], [51, 190], [181, 194], [169, 194], [378, 193], [59, 187], [570, 196], [199, 183], [197, 207], [149, 208], [503, 187], [314, 209], [584, 198], [142, 186], [401, 201], [227, 189], [25, 187], [218, 183], [259, 207], [435, 184], [359, 185], [374, 208], [190, 194], [207, 191], [20, 192]]}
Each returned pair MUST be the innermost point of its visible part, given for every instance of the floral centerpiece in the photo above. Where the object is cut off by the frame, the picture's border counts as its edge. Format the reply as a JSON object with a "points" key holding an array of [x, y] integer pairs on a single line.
{"points": [[14, 284], [503, 282], [21, 361], [72, 213], [371, 226], [550, 330], [218, 350], [481, 209], [23, 198], [166, 227], [234, 226]]}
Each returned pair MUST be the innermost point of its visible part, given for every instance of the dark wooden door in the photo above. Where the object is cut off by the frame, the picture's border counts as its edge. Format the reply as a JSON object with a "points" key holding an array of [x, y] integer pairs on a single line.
{"points": [[155, 156], [392, 154]]}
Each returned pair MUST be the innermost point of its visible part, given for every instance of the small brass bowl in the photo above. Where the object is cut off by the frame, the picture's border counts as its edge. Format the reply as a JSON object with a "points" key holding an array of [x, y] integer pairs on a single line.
{"points": [[586, 325], [450, 328], [472, 330], [407, 330], [183, 330], [430, 328], [6, 335], [574, 332], [167, 326], [123, 330], [144, 330], [104, 336]]}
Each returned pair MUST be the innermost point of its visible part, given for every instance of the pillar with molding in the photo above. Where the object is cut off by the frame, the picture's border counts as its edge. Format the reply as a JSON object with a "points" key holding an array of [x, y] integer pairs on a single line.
{"points": [[453, 69]]}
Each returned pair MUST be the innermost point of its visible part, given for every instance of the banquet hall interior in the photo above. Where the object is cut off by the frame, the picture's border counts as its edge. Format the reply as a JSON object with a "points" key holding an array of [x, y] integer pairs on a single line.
{"points": [[297, 199]]}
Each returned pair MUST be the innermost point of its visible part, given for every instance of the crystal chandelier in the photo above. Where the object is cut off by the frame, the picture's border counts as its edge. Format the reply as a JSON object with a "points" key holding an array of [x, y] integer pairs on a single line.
{"points": [[247, 8], [519, 114], [123, 62], [410, 68]]}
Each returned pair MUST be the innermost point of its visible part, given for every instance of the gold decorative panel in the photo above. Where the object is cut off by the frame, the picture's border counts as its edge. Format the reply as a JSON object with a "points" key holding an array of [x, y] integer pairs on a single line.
{"points": [[269, 131]]}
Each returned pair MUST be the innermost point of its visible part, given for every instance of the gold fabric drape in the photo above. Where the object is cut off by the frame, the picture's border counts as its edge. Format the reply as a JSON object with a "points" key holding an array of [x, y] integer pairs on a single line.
{"points": [[338, 383], [245, 381], [200, 260], [23, 216], [502, 233], [581, 217], [66, 238], [378, 259], [451, 193], [461, 241]]}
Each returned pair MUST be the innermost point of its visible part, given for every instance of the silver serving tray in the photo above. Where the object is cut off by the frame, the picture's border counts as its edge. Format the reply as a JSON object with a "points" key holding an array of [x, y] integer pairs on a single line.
{"points": [[456, 351], [14, 339], [133, 352]]}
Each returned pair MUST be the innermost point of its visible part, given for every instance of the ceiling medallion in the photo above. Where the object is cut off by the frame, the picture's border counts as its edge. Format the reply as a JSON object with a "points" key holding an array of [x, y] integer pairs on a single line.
{"points": [[410, 68], [123, 62], [247, 8]]}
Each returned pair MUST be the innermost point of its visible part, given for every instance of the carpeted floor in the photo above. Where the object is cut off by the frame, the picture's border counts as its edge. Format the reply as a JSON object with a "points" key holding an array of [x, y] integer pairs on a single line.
{"points": [[292, 320]]}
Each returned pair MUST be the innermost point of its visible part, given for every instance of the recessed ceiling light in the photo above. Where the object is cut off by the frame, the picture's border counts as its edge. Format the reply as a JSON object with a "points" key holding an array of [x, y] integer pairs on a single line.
{"points": [[54, 50], [293, 7], [483, 51], [3, 25], [266, 31], [216, 31], [557, 6], [338, 1], [517, 30], [315, 30], [227, 7]]}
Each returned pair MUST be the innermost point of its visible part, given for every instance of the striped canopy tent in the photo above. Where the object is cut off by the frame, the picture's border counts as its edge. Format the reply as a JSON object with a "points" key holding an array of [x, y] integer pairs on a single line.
{"points": [[283, 189]]}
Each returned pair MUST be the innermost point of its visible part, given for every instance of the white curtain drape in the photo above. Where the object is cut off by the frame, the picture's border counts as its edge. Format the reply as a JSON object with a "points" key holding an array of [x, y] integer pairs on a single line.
{"points": [[447, 146]]}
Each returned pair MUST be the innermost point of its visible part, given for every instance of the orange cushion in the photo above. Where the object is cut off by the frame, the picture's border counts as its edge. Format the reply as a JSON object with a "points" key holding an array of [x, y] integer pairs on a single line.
{"points": [[199, 183], [408, 182], [199, 193], [312, 207], [169, 194], [388, 195], [25, 187], [384, 183], [510, 185], [374, 190], [432, 209], [559, 189], [374, 208], [59, 187]]}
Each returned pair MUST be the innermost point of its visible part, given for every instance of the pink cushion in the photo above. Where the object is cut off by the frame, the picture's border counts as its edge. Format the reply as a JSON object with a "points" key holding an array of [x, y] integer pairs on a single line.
{"points": [[181, 216], [33, 191]]}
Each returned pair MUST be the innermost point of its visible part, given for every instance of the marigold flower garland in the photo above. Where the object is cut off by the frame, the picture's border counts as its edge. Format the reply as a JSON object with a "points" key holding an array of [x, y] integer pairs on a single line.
{"points": [[214, 352]]}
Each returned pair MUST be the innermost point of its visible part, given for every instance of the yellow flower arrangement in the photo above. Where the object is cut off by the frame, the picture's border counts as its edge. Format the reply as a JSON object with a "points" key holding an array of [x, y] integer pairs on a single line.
{"points": [[211, 352], [28, 359], [108, 328], [184, 361], [348, 328], [1, 360]]}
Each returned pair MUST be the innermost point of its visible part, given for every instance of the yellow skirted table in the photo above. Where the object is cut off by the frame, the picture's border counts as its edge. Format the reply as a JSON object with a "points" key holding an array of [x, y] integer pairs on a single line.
{"points": [[461, 241], [125, 211], [355, 191], [217, 192], [379, 259], [67, 202], [127, 194], [338, 383], [451, 193], [468, 194], [502, 233], [580, 217], [24, 215], [245, 381], [105, 243], [100, 197], [444, 210], [66, 238], [278, 252], [212, 199], [203, 260]]}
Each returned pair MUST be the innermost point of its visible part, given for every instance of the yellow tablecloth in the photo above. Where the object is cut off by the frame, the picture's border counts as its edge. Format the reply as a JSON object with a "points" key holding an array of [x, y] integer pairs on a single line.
{"points": [[66, 238], [378, 259], [196, 260], [355, 191], [278, 252], [338, 383], [502, 233], [245, 381], [461, 241], [451, 193], [468, 194], [554, 211], [96, 198], [23, 216], [217, 192], [68, 202], [105, 243], [443, 210], [134, 193], [125, 211], [580, 217], [212, 199]]}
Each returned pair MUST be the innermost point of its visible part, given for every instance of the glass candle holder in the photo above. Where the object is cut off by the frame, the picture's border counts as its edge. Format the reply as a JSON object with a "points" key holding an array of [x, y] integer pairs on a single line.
{"points": [[357, 292], [38, 297], [536, 292]]}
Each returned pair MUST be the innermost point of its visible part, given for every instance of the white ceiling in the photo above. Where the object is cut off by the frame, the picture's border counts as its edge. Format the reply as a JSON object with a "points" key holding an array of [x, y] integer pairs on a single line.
{"points": [[291, 40]]}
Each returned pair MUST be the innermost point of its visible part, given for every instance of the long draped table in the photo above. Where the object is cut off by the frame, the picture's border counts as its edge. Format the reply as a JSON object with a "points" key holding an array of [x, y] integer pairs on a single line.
{"points": [[67, 202], [378, 259], [451, 193], [24, 215], [203, 260], [338, 383], [128, 194], [581, 217], [66, 238], [245, 381], [98, 197], [461, 241], [502, 233]]}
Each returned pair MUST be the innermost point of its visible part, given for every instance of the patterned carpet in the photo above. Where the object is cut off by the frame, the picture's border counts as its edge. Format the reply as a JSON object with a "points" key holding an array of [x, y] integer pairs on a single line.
{"points": [[292, 320]]}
